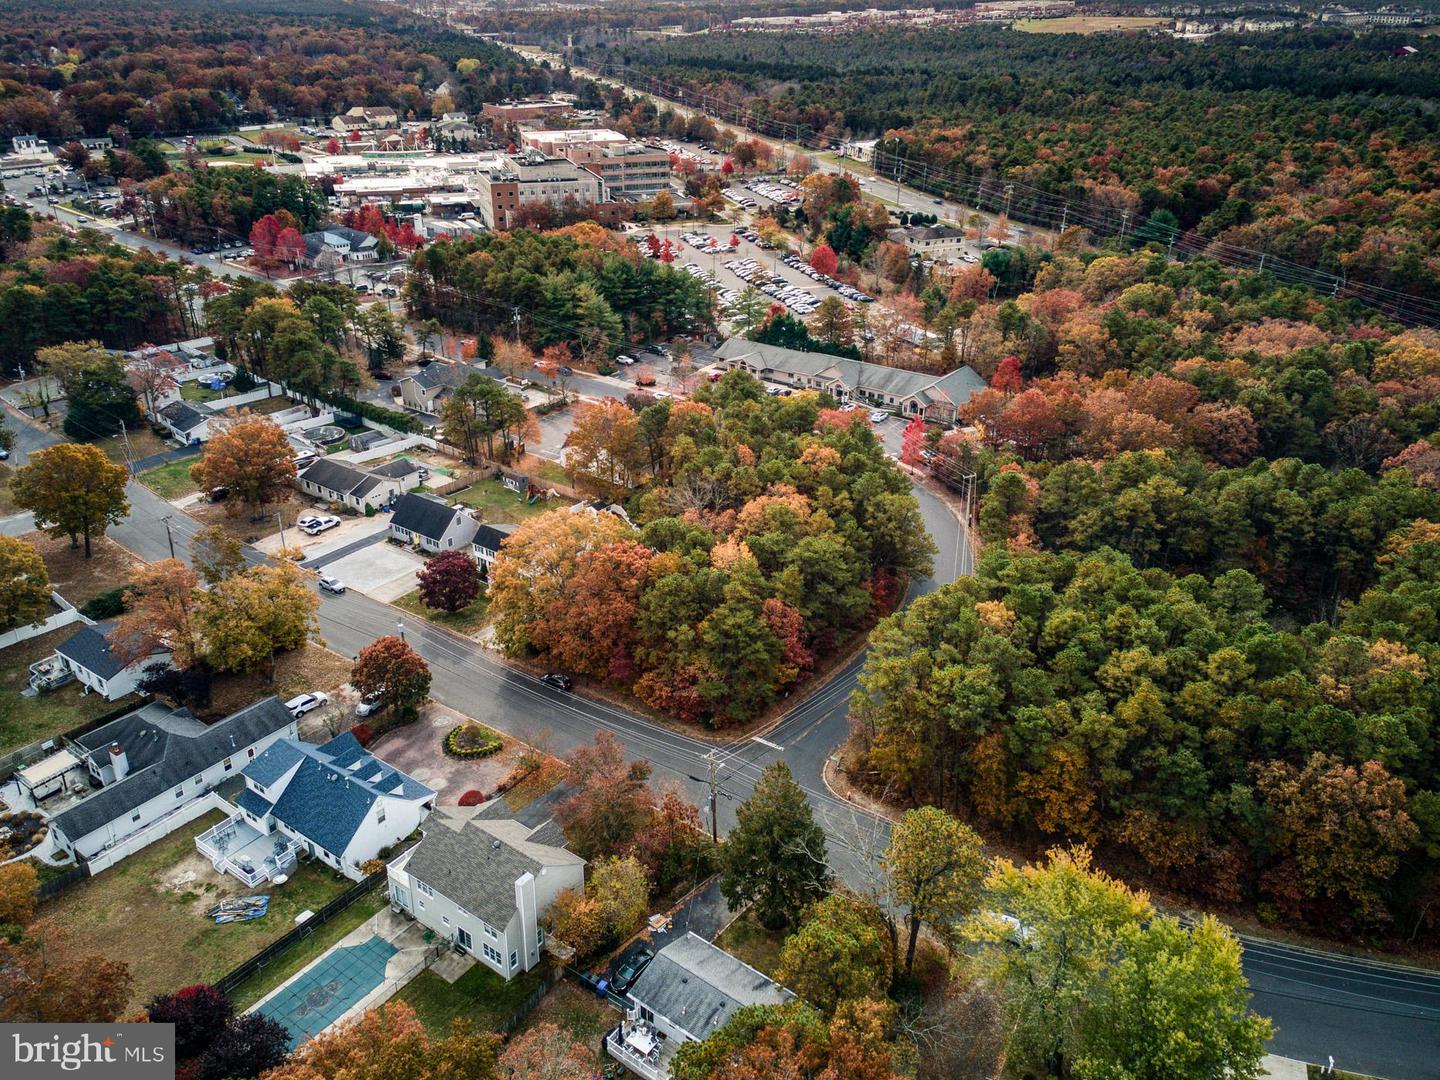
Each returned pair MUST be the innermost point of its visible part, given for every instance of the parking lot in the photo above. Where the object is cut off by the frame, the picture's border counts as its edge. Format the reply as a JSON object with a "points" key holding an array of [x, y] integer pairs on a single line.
{"points": [[383, 571]]}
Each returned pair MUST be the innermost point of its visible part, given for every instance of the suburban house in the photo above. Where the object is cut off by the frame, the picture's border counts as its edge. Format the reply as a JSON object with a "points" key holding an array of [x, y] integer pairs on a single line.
{"points": [[485, 885], [352, 245], [431, 524], [154, 763], [334, 802], [365, 118], [423, 391], [360, 489], [87, 656], [685, 994], [937, 398], [188, 421], [930, 242], [488, 541]]}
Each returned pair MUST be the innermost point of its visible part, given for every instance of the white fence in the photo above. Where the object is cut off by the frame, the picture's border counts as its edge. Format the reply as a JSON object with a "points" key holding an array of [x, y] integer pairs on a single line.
{"points": [[103, 860], [306, 422], [64, 617], [386, 449]]}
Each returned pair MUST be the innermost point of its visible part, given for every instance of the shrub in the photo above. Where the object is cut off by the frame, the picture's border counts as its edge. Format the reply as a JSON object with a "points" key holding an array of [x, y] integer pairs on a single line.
{"points": [[471, 741], [473, 797], [372, 866], [107, 605], [364, 734]]}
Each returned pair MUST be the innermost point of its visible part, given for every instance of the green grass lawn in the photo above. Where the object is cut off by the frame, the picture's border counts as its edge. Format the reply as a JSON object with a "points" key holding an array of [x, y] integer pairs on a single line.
{"points": [[498, 504], [306, 950], [171, 480], [266, 406], [551, 473], [28, 719], [148, 910], [751, 942], [465, 621], [480, 996], [193, 391], [579, 1013]]}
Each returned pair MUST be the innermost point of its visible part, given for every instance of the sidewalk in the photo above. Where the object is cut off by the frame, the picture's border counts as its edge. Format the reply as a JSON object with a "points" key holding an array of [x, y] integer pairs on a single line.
{"points": [[1283, 1068]]}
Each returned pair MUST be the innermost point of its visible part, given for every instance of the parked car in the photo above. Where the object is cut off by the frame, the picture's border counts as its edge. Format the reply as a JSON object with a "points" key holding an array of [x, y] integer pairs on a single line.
{"points": [[305, 703], [558, 681], [320, 524], [368, 704], [306, 520], [878, 416], [333, 585], [630, 970], [624, 360]]}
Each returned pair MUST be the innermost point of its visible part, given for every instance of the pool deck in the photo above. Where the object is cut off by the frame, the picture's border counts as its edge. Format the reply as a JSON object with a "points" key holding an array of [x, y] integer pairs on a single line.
{"points": [[383, 934]]}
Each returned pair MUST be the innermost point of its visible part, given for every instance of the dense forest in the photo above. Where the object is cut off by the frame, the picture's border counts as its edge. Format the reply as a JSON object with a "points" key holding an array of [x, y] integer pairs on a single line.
{"points": [[1202, 636], [56, 288], [1317, 146], [768, 530], [136, 67], [578, 286]]}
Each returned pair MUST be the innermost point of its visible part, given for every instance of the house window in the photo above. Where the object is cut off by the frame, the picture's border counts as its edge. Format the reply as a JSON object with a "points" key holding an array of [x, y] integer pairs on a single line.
{"points": [[180, 792], [227, 764], [251, 753], [514, 961], [540, 935], [135, 816], [491, 954], [445, 919], [380, 814], [490, 931], [424, 889]]}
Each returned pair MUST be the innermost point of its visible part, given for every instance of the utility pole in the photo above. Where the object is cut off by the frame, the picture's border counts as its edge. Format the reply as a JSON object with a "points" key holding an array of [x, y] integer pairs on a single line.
{"points": [[129, 456], [280, 518], [170, 536], [714, 764], [515, 315]]}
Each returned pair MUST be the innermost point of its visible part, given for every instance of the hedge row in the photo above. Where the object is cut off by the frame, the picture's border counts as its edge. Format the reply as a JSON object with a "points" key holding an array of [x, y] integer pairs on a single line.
{"points": [[472, 741]]}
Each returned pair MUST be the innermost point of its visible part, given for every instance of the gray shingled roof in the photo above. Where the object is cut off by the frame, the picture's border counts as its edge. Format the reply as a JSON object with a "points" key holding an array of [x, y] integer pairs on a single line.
{"points": [[698, 987], [89, 648], [184, 416], [423, 515], [395, 470], [492, 536], [475, 864], [335, 475], [164, 750]]}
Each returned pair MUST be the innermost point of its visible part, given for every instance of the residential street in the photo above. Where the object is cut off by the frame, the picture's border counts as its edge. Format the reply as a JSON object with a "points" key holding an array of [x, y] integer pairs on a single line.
{"points": [[1375, 1017]]}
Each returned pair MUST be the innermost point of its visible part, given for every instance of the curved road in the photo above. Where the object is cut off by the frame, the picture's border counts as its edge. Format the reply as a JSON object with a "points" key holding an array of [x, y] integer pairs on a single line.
{"points": [[1373, 1017]]}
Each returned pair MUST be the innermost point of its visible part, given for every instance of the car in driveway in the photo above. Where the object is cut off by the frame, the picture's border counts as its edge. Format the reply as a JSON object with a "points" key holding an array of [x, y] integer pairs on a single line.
{"points": [[558, 680], [320, 525], [368, 704], [305, 703], [878, 416], [624, 361], [629, 971], [333, 585]]}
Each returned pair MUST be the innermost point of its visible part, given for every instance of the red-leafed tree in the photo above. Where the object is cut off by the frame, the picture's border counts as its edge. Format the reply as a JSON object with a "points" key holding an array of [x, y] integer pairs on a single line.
{"points": [[450, 581], [332, 146], [397, 673], [612, 798], [1030, 422], [591, 627], [824, 259], [788, 625], [912, 441], [652, 243], [199, 1014], [667, 252], [290, 247], [1007, 376], [263, 235], [354, 135], [728, 168]]}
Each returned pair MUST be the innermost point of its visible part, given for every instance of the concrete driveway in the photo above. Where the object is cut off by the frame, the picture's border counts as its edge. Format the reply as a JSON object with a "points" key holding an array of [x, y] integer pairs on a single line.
{"points": [[384, 571]]}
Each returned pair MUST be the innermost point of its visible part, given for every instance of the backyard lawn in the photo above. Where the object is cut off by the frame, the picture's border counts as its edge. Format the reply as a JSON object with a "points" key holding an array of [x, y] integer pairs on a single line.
{"points": [[193, 391], [171, 480], [580, 1014], [497, 503], [25, 720], [465, 621], [479, 995], [751, 942], [149, 911]]}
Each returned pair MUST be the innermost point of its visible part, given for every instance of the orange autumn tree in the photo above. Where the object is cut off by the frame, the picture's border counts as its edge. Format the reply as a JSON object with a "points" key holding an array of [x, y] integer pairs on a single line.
{"points": [[390, 1042], [252, 457]]}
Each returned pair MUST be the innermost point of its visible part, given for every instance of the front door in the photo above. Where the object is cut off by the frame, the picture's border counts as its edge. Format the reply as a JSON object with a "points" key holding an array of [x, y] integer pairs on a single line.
{"points": [[462, 937]]}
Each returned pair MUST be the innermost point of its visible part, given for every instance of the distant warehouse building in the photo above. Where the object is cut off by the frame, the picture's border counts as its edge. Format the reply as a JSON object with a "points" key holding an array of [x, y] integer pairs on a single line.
{"points": [[630, 170]]}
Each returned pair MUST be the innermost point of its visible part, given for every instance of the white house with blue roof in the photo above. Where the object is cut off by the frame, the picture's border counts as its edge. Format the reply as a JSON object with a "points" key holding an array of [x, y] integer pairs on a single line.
{"points": [[335, 802]]}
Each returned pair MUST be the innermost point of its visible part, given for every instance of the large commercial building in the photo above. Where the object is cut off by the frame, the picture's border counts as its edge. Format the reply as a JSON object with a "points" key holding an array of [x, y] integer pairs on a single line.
{"points": [[515, 111], [630, 170], [529, 177]]}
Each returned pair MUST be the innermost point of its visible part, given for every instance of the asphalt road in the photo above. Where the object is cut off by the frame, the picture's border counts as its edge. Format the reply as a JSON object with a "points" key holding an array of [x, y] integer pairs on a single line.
{"points": [[1373, 1017]]}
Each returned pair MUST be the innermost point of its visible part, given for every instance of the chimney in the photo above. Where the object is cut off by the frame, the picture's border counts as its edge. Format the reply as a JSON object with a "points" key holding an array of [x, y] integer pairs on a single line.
{"points": [[119, 763]]}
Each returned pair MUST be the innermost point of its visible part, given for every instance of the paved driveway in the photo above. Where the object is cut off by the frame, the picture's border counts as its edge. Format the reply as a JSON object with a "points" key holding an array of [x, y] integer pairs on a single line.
{"points": [[384, 571]]}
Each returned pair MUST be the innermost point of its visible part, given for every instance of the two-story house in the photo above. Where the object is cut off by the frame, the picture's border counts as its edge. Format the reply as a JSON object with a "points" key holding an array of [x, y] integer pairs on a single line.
{"points": [[485, 885], [352, 245], [153, 762], [335, 802], [488, 541]]}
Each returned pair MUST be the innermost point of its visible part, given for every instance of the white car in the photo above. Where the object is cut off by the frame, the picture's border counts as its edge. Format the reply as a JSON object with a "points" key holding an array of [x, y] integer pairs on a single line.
{"points": [[849, 406], [368, 704], [299, 706], [333, 585], [624, 361], [320, 524], [878, 416]]}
